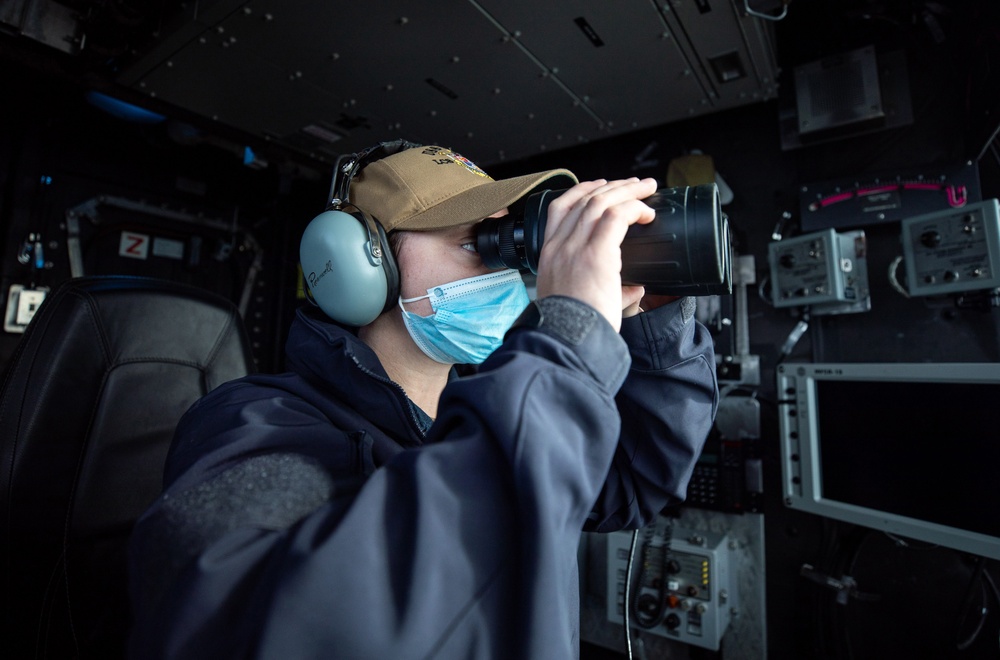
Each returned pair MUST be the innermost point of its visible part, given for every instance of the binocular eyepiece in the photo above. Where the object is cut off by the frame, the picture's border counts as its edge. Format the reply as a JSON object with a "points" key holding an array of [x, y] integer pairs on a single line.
{"points": [[685, 251]]}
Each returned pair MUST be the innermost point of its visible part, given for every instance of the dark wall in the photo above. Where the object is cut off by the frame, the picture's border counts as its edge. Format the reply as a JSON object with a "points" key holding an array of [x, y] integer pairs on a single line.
{"points": [[168, 180], [913, 601]]}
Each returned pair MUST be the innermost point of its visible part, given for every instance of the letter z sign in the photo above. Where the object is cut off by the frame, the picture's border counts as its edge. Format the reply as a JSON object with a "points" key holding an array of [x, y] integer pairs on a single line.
{"points": [[134, 246]]}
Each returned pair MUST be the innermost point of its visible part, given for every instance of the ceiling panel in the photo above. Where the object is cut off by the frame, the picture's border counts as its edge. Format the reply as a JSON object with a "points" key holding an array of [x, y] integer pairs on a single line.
{"points": [[620, 58], [497, 80]]}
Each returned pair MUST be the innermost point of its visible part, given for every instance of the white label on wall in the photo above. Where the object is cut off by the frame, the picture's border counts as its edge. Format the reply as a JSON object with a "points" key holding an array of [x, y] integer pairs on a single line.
{"points": [[167, 247]]}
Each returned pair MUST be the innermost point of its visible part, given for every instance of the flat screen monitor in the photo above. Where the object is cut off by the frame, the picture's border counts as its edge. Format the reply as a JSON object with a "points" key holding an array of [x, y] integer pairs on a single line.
{"points": [[909, 449]]}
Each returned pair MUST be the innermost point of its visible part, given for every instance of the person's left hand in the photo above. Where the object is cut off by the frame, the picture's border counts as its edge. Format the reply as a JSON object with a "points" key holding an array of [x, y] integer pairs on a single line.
{"points": [[631, 300], [635, 300]]}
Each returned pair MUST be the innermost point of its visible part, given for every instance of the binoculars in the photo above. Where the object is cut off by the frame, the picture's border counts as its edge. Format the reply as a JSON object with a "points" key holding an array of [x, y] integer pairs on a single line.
{"points": [[685, 251]]}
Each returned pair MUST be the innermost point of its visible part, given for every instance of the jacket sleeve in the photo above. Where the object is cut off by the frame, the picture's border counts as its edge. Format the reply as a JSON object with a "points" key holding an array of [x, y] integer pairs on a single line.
{"points": [[667, 405], [463, 547]]}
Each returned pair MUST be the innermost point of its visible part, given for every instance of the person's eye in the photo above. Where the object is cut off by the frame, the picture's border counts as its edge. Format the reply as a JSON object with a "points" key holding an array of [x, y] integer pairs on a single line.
{"points": [[470, 246]]}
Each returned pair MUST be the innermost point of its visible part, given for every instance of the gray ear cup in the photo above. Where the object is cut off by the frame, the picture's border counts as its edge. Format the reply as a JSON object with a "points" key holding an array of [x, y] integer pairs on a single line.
{"points": [[349, 271]]}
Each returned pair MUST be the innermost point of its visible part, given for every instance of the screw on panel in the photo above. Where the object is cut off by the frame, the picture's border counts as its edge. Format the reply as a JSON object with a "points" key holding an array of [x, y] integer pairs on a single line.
{"points": [[403, 20]]}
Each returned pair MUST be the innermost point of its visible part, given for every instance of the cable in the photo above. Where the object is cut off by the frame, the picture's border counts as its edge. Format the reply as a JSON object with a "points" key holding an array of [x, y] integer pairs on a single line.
{"points": [[893, 280], [794, 336], [765, 297], [644, 616], [628, 589], [977, 578], [767, 17]]}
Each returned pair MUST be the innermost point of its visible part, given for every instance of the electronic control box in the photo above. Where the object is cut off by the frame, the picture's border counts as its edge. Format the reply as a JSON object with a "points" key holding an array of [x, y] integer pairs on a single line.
{"points": [[682, 584], [954, 250], [825, 270]]}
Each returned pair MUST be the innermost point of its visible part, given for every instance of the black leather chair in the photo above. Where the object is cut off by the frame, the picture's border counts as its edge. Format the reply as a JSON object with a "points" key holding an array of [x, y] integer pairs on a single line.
{"points": [[87, 411]]}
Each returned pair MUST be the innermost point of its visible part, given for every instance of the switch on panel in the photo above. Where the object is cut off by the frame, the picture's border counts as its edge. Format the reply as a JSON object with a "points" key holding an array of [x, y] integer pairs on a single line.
{"points": [[22, 304]]}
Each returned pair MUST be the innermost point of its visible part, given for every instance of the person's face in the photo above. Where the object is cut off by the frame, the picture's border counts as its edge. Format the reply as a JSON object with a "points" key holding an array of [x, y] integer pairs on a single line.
{"points": [[429, 258]]}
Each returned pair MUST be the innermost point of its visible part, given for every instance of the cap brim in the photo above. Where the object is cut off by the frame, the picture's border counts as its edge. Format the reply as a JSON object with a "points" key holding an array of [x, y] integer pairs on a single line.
{"points": [[483, 201]]}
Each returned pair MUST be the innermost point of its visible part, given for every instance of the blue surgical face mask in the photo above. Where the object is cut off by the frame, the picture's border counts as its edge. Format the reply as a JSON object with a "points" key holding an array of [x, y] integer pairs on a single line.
{"points": [[470, 317]]}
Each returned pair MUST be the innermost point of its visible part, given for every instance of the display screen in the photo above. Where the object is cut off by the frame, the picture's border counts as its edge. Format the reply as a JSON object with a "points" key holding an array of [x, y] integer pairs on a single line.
{"points": [[928, 451], [911, 449]]}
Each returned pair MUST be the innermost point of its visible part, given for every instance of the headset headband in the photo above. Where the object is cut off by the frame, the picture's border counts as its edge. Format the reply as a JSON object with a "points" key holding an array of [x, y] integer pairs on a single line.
{"points": [[348, 166]]}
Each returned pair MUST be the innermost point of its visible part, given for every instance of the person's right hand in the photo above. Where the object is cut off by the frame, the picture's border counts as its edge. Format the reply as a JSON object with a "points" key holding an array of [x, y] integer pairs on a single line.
{"points": [[581, 251]]}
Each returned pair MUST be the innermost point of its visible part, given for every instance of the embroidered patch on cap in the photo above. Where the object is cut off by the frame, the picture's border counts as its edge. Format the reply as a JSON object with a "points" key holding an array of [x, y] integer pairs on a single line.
{"points": [[446, 155]]}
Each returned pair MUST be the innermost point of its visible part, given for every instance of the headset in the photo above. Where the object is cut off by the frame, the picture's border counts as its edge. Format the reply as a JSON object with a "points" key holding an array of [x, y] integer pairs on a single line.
{"points": [[349, 270]]}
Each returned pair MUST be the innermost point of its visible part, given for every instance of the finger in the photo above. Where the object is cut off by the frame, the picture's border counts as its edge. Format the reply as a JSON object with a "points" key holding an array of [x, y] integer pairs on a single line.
{"points": [[560, 207], [613, 224], [588, 209], [631, 299]]}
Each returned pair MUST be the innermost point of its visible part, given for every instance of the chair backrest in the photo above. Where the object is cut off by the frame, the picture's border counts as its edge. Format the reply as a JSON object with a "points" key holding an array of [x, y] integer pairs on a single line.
{"points": [[87, 412]]}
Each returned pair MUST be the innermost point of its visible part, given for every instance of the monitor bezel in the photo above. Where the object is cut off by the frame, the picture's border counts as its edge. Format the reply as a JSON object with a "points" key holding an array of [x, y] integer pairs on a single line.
{"points": [[800, 446]]}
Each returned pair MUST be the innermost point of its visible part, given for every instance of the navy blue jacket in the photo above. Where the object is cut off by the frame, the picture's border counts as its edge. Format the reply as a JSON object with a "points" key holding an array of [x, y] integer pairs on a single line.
{"points": [[306, 515]]}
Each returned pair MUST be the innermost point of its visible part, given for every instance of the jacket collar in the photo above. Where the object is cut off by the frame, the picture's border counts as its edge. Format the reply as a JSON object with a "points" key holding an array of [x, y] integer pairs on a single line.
{"points": [[332, 358]]}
